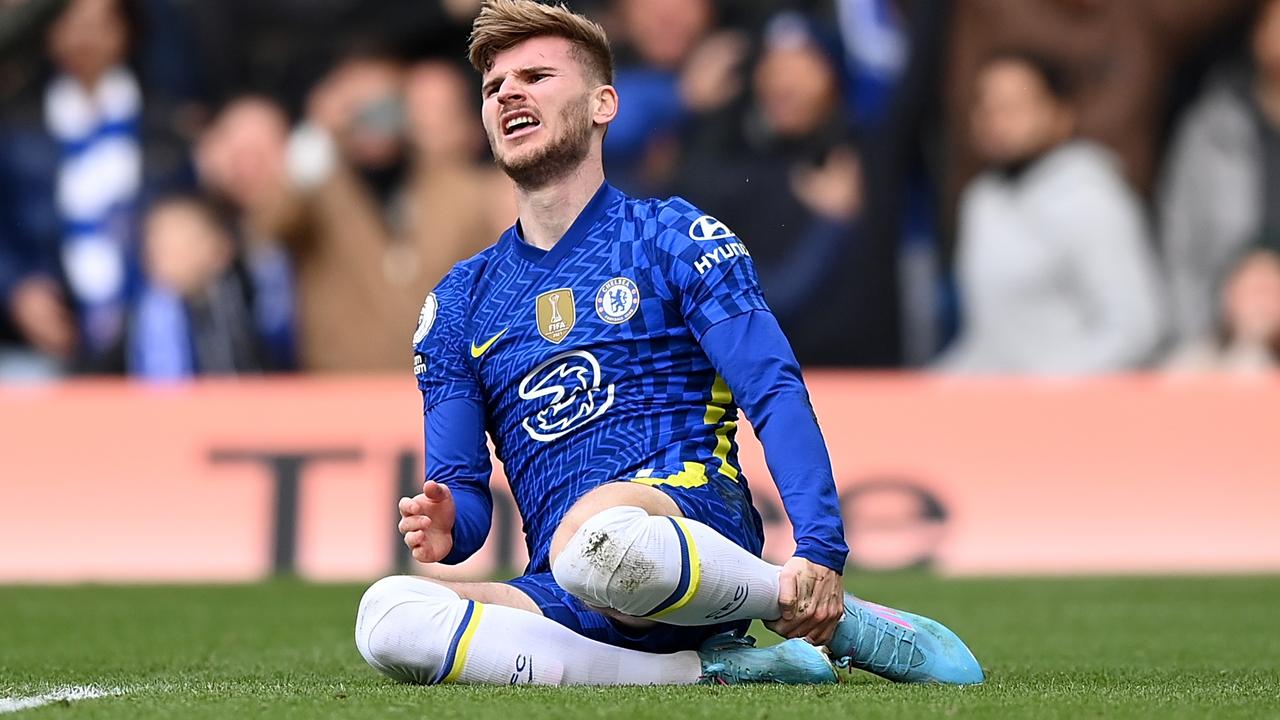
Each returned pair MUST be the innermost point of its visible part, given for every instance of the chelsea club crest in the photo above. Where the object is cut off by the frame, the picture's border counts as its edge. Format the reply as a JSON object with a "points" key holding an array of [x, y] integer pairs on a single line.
{"points": [[617, 300]]}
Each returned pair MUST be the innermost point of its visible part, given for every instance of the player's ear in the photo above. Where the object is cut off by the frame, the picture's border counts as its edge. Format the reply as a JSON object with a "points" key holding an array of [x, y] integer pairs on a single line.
{"points": [[604, 105]]}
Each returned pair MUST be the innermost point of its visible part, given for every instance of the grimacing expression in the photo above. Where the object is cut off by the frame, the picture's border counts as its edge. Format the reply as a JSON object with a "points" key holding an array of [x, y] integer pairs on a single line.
{"points": [[537, 111]]}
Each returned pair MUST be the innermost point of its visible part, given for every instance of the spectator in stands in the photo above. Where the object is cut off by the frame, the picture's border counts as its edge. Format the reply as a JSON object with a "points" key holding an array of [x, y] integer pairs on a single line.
{"points": [[78, 154], [1247, 334], [165, 60], [1223, 179], [673, 66], [795, 193], [241, 161], [194, 315], [452, 178], [1121, 57], [1054, 266], [390, 197]]}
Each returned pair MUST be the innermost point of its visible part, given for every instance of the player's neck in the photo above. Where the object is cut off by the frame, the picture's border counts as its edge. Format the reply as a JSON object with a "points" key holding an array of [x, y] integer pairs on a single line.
{"points": [[547, 212]]}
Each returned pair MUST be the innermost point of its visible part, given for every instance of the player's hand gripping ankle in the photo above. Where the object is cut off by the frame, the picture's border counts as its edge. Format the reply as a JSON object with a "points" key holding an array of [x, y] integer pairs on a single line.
{"points": [[811, 598], [426, 521]]}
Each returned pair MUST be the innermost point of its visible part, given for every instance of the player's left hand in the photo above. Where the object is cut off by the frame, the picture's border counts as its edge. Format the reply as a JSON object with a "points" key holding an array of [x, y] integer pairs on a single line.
{"points": [[812, 600]]}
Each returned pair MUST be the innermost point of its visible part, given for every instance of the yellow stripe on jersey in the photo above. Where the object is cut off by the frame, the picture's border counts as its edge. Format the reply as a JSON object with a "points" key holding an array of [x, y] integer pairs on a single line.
{"points": [[695, 571], [721, 397], [693, 475], [464, 644]]}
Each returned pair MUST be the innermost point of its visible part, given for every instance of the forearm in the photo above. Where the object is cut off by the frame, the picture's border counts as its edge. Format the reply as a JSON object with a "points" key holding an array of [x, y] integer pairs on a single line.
{"points": [[752, 355], [471, 525], [458, 457], [797, 457]]}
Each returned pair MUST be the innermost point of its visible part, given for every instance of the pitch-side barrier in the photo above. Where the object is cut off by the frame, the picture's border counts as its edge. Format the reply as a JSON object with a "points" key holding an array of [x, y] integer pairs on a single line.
{"points": [[237, 480]]}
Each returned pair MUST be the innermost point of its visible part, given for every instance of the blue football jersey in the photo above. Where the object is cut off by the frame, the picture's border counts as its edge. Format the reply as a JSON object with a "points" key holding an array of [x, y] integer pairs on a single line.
{"points": [[586, 357]]}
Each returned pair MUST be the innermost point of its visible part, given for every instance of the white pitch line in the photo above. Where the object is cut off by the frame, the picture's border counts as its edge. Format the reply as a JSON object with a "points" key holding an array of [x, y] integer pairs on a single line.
{"points": [[69, 694]]}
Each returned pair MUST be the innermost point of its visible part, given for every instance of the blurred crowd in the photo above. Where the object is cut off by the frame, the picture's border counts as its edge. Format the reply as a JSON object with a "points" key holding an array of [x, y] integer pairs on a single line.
{"points": [[969, 186]]}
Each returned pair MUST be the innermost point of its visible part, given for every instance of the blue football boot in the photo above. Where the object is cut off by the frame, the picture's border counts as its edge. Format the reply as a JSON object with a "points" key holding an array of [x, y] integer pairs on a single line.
{"points": [[901, 646], [729, 659]]}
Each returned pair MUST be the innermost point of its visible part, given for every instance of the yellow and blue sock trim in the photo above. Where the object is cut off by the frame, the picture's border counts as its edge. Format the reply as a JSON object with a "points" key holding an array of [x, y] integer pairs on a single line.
{"points": [[456, 658], [690, 574]]}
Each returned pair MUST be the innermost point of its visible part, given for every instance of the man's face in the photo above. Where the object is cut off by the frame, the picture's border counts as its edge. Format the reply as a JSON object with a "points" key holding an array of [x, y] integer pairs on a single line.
{"points": [[1015, 117], [796, 87], [367, 94], [538, 111], [243, 154]]}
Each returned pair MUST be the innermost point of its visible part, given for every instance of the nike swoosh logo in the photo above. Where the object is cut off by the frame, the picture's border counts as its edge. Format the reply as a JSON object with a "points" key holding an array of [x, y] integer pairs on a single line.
{"points": [[478, 350]]}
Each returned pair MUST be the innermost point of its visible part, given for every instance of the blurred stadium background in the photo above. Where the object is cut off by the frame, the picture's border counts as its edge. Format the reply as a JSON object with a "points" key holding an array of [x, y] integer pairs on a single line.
{"points": [[1028, 252]]}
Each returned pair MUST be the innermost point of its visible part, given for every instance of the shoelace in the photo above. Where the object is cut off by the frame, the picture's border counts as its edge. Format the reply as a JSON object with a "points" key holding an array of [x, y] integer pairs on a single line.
{"points": [[883, 629]]}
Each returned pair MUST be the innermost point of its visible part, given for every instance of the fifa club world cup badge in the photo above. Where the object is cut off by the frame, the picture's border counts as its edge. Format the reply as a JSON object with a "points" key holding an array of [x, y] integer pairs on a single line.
{"points": [[556, 314], [617, 300]]}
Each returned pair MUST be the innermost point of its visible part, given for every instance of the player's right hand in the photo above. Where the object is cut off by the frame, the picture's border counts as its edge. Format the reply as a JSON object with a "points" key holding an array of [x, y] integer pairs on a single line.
{"points": [[426, 521]]}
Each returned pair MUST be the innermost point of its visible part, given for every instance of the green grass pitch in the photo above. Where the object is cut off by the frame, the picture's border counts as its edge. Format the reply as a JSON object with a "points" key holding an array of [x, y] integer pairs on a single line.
{"points": [[1113, 648]]}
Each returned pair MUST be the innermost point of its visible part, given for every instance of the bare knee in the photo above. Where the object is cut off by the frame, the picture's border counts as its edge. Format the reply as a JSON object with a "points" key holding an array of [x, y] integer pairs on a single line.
{"points": [[493, 593]]}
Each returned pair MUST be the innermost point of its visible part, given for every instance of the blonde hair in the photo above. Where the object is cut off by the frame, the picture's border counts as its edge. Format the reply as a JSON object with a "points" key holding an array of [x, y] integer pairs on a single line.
{"points": [[503, 24]]}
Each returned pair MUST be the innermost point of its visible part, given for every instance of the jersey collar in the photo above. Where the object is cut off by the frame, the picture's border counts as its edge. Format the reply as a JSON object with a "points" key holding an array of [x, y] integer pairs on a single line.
{"points": [[577, 232]]}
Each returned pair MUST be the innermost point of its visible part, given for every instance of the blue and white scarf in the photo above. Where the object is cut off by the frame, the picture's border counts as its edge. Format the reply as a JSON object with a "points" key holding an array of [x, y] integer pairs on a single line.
{"points": [[877, 48], [160, 341], [98, 184]]}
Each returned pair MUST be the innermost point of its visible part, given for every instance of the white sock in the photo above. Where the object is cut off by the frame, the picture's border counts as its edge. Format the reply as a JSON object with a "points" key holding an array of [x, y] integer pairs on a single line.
{"points": [[672, 569], [416, 631]]}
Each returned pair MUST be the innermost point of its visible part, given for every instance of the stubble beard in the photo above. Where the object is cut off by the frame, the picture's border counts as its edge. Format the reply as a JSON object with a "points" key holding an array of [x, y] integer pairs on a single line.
{"points": [[558, 158]]}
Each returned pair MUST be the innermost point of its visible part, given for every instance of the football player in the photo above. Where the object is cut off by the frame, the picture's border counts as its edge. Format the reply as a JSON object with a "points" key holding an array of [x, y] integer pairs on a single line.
{"points": [[605, 344]]}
